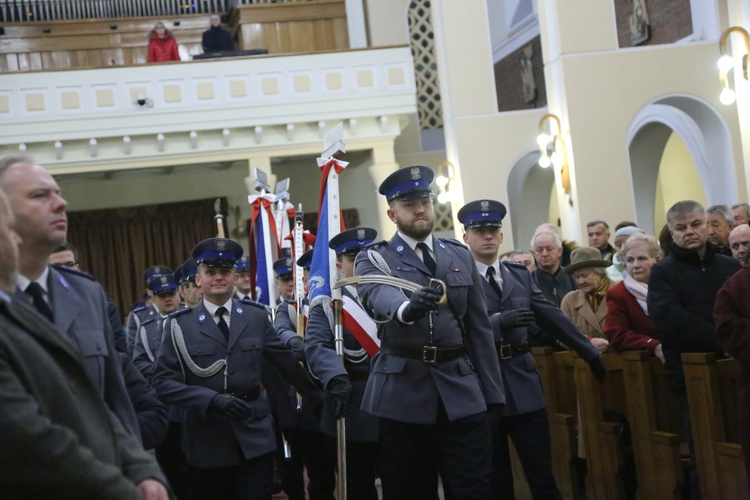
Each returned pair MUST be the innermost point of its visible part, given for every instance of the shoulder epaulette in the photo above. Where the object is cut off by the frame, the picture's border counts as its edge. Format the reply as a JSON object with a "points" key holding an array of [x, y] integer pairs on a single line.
{"points": [[71, 270], [375, 244], [512, 263], [139, 309], [150, 321], [249, 302], [453, 242], [181, 311]]}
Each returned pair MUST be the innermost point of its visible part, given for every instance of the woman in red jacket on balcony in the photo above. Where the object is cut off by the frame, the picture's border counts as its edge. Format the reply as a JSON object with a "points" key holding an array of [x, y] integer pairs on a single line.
{"points": [[627, 324], [162, 46]]}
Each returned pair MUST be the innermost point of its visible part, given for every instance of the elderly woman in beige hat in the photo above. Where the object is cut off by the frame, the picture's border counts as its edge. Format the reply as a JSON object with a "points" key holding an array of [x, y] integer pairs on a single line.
{"points": [[587, 307]]}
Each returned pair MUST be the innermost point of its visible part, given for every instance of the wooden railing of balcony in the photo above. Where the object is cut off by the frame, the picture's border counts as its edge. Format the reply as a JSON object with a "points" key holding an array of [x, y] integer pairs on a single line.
{"points": [[282, 27]]}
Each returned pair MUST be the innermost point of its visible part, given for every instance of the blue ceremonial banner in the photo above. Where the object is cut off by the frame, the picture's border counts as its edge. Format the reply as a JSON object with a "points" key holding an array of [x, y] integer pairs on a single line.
{"points": [[262, 286], [318, 283]]}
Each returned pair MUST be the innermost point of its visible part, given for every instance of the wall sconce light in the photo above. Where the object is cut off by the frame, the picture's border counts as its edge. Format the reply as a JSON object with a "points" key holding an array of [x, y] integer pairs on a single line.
{"points": [[726, 62], [445, 178], [559, 156]]}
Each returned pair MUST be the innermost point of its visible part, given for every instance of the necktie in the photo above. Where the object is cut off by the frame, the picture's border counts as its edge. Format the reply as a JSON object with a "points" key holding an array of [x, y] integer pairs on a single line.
{"points": [[427, 258], [222, 324], [493, 282], [37, 295]]}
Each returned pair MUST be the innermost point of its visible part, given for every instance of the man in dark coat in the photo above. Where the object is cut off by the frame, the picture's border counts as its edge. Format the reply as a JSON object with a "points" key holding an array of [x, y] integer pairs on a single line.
{"points": [[217, 39], [58, 438], [515, 304], [681, 294], [436, 373]]}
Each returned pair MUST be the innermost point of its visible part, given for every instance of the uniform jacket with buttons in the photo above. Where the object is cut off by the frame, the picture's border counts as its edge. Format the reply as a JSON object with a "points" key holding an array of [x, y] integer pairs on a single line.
{"points": [[325, 364], [211, 439], [80, 311], [408, 390], [523, 388]]}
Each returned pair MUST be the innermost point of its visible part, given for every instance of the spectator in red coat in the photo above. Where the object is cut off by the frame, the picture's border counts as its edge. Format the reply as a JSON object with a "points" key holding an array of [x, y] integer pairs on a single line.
{"points": [[162, 46], [732, 317], [627, 324]]}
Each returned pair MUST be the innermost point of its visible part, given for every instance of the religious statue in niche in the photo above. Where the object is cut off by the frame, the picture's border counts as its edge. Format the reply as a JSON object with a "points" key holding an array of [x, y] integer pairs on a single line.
{"points": [[640, 29], [528, 85]]}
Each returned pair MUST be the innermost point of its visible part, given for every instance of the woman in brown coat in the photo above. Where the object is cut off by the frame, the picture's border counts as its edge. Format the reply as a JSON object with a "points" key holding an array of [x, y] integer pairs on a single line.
{"points": [[587, 306]]}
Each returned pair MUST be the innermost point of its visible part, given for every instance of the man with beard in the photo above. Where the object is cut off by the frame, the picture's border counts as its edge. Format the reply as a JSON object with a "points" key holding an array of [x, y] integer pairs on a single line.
{"points": [[436, 373]]}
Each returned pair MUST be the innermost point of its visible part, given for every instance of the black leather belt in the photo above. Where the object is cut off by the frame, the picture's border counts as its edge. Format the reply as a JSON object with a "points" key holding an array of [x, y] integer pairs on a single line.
{"points": [[507, 351], [429, 354], [250, 395]]}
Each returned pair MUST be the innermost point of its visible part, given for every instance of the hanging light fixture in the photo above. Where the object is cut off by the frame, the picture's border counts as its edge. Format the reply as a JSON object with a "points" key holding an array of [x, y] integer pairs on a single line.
{"points": [[727, 63], [445, 179]]}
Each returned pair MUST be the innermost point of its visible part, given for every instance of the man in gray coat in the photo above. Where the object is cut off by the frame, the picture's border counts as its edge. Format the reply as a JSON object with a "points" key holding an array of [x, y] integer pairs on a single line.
{"points": [[58, 438], [514, 304], [71, 300], [436, 373]]}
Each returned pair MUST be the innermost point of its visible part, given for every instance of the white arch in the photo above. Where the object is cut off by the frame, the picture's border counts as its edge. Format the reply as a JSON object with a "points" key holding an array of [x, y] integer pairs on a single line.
{"points": [[529, 188], [706, 137]]}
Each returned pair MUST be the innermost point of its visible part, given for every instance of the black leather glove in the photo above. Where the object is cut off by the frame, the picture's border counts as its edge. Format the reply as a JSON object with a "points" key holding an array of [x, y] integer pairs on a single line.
{"points": [[516, 318], [338, 394], [297, 345], [230, 406], [598, 368], [422, 301]]}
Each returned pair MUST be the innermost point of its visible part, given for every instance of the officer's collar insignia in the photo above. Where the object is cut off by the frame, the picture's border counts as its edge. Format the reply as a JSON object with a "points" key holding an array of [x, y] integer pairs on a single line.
{"points": [[221, 244], [456, 270], [202, 318], [240, 311], [400, 249], [63, 282], [415, 173], [360, 234], [440, 243], [484, 206]]}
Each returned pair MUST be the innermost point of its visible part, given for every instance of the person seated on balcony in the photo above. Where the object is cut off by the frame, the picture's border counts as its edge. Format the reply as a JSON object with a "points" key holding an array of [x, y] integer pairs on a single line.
{"points": [[217, 39], [161, 45], [626, 323]]}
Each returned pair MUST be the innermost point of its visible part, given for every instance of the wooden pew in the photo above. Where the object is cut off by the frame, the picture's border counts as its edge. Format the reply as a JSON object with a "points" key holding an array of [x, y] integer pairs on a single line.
{"points": [[712, 398], [556, 373], [655, 427]]}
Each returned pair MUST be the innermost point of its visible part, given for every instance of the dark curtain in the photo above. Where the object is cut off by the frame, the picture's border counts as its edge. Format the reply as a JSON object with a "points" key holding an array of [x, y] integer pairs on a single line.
{"points": [[117, 245]]}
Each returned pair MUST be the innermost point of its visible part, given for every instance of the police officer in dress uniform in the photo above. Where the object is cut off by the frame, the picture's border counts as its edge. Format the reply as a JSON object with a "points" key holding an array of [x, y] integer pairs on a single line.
{"points": [[307, 441], [243, 287], [209, 363], [436, 373], [345, 382], [143, 313], [190, 293], [284, 280], [515, 304], [169, 452]]}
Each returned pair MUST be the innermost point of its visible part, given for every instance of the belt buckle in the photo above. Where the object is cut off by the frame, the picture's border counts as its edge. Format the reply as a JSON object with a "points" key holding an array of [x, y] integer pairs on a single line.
{"points": [[506, 352], [429, 354]]}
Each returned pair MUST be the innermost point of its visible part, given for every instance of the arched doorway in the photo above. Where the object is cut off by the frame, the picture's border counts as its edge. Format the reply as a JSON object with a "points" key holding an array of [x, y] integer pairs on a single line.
{"points": [[530, 189], [705, 137]]}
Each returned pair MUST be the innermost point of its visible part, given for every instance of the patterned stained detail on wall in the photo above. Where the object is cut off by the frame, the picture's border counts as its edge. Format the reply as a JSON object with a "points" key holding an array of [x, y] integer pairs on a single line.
{"points": [[425, 65], [443, 217]]}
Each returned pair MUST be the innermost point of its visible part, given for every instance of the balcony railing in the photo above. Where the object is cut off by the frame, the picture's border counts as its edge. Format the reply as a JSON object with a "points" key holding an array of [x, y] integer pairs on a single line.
{"points": [[19, 11]]}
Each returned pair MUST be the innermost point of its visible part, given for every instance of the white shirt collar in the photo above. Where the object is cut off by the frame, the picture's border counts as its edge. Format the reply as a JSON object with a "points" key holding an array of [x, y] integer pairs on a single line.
{"points": [[482, 268], [211, 308], [23, 282], [413, 243]]}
